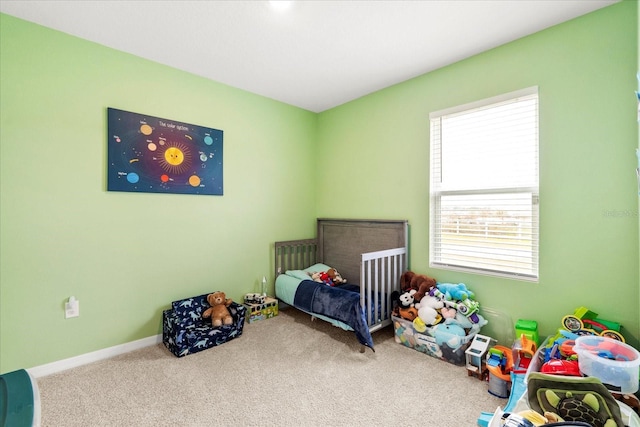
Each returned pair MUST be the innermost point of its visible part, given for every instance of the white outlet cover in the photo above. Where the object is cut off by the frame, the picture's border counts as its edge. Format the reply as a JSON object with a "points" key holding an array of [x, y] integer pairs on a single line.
{"points": [[72, 309]]}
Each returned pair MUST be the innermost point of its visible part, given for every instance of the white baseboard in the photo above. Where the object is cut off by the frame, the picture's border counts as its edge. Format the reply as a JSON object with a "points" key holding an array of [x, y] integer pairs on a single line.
{"points": [[83, 359]]}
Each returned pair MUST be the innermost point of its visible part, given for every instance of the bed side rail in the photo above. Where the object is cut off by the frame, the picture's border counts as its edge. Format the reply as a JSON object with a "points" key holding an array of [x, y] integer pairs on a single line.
{"points": [[380, 273], [295, 255]]}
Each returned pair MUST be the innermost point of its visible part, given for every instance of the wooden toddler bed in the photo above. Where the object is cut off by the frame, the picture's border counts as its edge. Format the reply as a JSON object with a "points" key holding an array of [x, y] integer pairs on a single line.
{"points": [[370, 254]]}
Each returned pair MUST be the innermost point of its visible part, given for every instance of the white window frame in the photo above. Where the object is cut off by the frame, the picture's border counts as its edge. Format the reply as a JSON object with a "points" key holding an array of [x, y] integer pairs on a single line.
{"points": [[473, 253]]}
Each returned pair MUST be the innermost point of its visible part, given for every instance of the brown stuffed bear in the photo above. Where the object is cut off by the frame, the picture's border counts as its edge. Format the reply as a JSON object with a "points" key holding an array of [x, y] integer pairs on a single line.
{"points": [[218, 311], [421, 283]]}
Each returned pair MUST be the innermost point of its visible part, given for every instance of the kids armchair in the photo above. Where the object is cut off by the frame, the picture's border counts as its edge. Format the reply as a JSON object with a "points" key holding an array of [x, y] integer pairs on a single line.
{"points": [[185, 331]]}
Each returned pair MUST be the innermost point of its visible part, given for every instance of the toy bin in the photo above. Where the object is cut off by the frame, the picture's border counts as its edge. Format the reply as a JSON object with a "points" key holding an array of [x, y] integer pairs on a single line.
{"points": [[19, 399], [444, 341], [613, 362], [266, 310]]}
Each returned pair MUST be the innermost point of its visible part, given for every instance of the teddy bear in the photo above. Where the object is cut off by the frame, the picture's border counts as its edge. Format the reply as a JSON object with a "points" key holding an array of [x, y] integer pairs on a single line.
{"points": [[218, 311], [420, 282]]}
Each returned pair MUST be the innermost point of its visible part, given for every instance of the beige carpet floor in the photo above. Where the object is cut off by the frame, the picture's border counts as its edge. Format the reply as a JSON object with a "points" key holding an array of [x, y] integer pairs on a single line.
{"points": [[284, 371]]}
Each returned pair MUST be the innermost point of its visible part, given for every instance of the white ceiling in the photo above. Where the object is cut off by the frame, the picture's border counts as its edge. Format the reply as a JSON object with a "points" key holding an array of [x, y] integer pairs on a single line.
{"points": [[315, 55]]}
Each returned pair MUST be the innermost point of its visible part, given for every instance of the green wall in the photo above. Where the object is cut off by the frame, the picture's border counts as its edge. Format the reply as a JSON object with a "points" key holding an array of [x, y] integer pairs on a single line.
{"points": [[585, 70], [638, 83], [125, 256]]}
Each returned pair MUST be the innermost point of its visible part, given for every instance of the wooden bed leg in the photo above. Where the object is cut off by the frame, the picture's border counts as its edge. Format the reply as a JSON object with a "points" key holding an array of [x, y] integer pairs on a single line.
{"points": [[362, 349]]}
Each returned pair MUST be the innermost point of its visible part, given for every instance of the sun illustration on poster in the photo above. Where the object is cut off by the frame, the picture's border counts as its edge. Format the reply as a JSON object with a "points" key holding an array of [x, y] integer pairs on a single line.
{"points": [[176, 158], [155, 155]]}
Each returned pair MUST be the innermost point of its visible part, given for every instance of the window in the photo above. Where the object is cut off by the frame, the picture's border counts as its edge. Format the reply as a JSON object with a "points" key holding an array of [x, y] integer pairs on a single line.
{"points": [[484, 186]]}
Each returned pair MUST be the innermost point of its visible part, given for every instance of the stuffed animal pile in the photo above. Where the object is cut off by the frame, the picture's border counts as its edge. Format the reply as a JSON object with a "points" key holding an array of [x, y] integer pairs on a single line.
{"points": [[330, 277], [442, 316], [427, 303]]}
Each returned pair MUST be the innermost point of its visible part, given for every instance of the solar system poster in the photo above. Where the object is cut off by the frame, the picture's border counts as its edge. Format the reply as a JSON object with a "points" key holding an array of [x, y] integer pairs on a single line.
{"points": [[153, 155]]}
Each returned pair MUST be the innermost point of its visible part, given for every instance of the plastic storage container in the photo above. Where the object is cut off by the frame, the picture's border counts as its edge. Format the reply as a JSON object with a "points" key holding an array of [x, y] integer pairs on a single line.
{"points": [[499, 326], [19, 400], [613, 362]]}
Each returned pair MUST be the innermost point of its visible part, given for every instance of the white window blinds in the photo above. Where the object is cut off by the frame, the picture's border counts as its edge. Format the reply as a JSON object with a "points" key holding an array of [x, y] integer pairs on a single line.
{"points": [[484, 186]]}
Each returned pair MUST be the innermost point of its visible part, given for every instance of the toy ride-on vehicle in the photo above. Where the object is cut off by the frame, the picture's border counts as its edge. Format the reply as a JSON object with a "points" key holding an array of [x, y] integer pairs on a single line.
{"points": [[585, 322]]}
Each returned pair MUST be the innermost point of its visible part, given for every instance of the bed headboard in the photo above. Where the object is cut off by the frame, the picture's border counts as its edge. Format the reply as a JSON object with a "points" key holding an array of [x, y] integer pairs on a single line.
{"points": [[342, 241]]}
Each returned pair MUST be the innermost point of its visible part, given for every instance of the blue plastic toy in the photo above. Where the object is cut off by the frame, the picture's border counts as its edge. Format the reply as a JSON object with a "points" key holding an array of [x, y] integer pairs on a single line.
{"points": [[517, 390]]}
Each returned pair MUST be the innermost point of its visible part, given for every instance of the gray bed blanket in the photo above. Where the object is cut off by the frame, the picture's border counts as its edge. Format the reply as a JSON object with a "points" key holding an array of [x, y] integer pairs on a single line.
{"points": [[336, 302]]}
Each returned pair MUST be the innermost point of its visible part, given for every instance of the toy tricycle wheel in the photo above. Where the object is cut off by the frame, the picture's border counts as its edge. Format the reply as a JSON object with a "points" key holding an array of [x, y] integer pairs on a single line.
{"points": [[610, 333], [572, 323]]}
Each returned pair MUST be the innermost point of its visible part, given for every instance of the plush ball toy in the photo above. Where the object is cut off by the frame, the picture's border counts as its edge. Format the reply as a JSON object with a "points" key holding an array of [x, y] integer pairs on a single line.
{"points": [[420, 282], [218, 311]]}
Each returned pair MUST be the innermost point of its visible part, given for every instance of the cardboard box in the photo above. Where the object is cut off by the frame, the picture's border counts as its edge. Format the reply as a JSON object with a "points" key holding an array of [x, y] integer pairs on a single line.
{"points": [[262, 311], [438, 341]]}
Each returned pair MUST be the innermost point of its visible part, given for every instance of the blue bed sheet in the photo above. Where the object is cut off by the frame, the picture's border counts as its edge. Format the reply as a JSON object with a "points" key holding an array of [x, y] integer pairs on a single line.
{"points": [[340, 302]]}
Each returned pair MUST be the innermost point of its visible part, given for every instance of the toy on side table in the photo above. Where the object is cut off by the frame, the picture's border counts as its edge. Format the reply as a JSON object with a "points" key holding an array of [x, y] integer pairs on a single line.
{"points": [[254, 298]]}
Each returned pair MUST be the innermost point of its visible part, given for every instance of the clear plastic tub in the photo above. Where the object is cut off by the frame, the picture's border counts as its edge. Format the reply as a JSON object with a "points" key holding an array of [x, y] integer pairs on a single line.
{"points": [[613, 362]]}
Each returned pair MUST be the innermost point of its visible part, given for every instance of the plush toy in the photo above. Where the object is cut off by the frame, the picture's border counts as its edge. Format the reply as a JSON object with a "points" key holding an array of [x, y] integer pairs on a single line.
{"points": [[448, 312], [408, 313], [322, 277], [449, 334], [405, 305], [326, 279], [466, 323], [406, 299], [428, 315], [428, 310], [458, 297], [433, 302], [336, 278], [218, 311], [455, 291], [421, 283]]}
